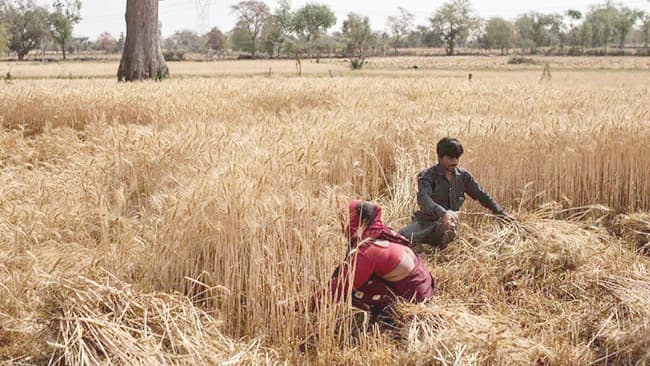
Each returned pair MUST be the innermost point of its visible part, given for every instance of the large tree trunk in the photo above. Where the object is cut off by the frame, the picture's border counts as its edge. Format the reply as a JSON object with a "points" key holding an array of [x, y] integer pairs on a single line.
{"points": [[63, 48], [142, 57]]}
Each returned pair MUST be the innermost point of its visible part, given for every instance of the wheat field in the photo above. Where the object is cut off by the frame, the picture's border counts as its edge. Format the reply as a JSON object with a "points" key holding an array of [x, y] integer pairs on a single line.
{"points": [[188, 221]]}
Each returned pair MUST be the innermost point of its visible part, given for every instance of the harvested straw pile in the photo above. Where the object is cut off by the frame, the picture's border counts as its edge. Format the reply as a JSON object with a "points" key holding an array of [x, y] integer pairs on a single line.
{"points": [[539, 291], [106, 321], [453, 335], [625, 335]]}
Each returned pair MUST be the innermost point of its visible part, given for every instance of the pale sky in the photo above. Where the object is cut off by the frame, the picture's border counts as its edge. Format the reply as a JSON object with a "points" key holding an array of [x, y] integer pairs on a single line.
{"points": [[108, 16]]}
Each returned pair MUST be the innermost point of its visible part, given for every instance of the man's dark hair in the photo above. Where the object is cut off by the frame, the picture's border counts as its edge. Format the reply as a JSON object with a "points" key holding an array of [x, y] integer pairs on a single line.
{"points": [[450, 147]]}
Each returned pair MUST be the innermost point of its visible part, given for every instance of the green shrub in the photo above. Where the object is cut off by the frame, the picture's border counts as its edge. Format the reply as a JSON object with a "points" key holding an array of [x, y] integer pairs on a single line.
{"points": [[518, 60]]}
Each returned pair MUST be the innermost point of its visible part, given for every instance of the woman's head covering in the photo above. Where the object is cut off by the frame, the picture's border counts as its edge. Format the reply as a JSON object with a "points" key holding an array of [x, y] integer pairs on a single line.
{"points": [[370, 214]]}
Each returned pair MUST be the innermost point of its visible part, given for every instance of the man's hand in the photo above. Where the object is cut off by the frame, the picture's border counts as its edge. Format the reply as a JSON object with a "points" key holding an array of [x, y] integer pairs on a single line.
{"points": [[450, 220], [507, 219]]}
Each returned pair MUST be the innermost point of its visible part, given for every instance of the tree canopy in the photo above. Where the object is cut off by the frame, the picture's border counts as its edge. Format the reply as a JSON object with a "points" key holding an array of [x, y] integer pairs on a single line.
{"points": [[454, 20]]}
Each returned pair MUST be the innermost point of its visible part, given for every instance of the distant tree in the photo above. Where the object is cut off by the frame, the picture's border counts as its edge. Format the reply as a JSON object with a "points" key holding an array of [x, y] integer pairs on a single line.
{"points": [[608, 23], [27, 26], [107, 42], [67, 13], [4, 37], [334, 43], [574, 15], [557, 30], [586, 35], [4, 31], [120, 42], [279, 28], [251, 17], [79, 44], [400, 25], [601, 19], [311, 22], [573, 36], [453, 21], [499, 33], [524, 29], [379, 43], [424, 36], [536, 30], [186, 41], [358, 35], [645, 29], [268, 41], [624, 22], [239, 40], [216, 40]]}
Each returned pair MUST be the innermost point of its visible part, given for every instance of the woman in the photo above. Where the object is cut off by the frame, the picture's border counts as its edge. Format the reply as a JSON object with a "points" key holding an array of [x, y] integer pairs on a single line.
{"points": [[380, 267]]}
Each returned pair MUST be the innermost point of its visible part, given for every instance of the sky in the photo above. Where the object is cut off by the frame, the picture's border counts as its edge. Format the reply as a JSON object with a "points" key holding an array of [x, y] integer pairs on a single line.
{"points": [[108, 15]]}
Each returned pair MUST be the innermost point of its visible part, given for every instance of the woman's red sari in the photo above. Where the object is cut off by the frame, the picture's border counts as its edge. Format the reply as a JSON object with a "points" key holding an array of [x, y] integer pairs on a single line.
{"points": [[374, 256]]}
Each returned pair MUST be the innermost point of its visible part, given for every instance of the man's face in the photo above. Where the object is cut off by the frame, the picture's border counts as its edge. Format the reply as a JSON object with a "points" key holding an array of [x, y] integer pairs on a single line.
{"points": [[448, 163]]}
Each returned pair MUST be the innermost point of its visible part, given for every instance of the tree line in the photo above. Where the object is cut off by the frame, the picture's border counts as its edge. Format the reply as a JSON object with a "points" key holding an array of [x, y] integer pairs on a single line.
{"points": [[25, 26], [605, 28], [260, 31], [454, 24]]}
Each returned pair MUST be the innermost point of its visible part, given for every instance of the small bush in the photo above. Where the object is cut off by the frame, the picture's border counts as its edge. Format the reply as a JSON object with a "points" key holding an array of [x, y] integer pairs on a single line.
{"points": [[602, 52], [551, 51], [518, 60], [575, 51], [642, 52], [357, 63], [174, 55]]}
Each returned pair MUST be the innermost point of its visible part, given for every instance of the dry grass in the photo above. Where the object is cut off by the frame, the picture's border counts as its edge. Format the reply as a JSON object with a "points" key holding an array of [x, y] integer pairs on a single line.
{"points": [[172, 223], [501, 63], [448, 66], [108, 69]]}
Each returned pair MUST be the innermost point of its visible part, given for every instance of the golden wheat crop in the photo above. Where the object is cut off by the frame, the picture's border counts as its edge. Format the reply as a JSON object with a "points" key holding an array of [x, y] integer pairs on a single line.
{"points": [[176, 222]]}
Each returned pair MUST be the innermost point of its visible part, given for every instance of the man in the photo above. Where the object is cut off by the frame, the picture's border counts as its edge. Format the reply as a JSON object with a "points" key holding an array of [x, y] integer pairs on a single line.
{"points": [[380, 267], [441, 194]]}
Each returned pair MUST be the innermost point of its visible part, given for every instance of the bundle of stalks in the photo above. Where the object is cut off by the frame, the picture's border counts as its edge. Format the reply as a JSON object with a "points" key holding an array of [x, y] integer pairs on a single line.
{"points": [[625, 335], [452, 335], [634, 228], [106, 321], [537, 278], [534, 254]]}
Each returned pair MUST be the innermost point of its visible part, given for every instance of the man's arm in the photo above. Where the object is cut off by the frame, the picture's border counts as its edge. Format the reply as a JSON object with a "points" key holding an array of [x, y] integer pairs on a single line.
{"points": [[474, 190], [427, 204]]}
